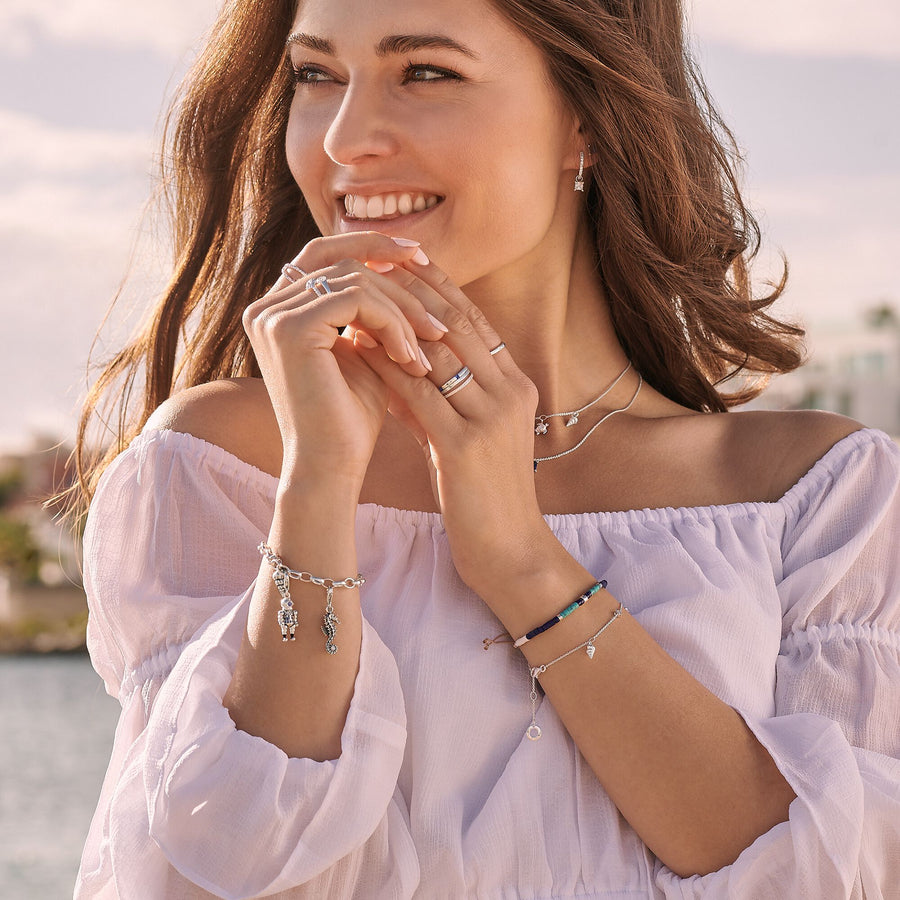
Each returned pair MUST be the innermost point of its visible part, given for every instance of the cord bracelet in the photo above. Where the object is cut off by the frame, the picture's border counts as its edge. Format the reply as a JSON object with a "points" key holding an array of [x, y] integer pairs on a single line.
{"points": [[288, 617], [533, 732], [580, 600]]}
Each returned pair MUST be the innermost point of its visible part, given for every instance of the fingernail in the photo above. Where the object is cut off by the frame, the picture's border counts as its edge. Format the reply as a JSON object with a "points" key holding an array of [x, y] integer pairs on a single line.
{"points": [[421, 258], [405, 242], [424, 359], [366, 340], [380, 267], [437, 323], [412, 353]]}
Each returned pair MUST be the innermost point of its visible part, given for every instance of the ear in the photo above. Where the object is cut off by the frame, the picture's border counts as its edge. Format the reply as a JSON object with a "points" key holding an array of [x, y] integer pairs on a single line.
{"points": [[577, 144]]}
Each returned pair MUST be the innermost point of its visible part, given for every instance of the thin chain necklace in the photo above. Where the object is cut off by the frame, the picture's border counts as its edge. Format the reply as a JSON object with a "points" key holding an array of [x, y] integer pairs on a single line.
{"points": [[540, 422], [609, 415]]}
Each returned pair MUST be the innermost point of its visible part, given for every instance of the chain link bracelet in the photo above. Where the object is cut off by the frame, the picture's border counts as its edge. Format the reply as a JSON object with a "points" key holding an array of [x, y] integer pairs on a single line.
{"points": [[288, 617]]}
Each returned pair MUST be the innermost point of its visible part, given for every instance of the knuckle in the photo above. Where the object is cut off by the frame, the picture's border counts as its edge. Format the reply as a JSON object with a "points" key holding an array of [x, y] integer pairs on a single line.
{"points": [[456, 321], [444, 282], [440, 355], [421, 389], [527, 394], [248, 317], [466, 328], [478, 320]]}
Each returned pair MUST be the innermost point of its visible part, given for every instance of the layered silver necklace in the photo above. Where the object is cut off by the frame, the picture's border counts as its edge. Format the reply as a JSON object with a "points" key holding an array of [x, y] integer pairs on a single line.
{"points": [[540, 422]]}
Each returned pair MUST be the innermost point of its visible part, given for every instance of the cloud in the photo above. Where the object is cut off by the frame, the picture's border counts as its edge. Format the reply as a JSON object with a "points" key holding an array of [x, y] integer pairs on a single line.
{"points": [[801, 27], [168, 26], [66, 183], [840, 236], [69, 216]]}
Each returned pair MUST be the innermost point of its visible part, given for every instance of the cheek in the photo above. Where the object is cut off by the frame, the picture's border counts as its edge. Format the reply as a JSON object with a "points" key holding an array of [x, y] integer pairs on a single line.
{"points": [[297, 150]]}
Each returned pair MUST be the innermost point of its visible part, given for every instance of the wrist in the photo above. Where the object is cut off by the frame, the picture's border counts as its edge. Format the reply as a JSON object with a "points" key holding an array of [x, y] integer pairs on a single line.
{"points": [[525, 588]]}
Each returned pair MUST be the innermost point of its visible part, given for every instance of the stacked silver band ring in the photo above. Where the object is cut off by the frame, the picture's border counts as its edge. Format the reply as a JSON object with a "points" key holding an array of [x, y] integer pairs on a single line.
{"points": [[319, 286], [454, 384], [287, 268]]}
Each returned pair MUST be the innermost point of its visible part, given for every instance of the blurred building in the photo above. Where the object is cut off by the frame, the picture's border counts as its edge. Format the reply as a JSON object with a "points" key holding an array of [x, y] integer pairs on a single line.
{"points": [[854, 371]]}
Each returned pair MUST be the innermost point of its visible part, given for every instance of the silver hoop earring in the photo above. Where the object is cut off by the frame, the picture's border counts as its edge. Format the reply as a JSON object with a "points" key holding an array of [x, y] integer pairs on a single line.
{"points": [[579, 178]]}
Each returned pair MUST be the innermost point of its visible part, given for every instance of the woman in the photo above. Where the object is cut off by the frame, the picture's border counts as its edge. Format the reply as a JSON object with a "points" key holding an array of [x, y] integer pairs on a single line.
{"points": [[600, 638]]}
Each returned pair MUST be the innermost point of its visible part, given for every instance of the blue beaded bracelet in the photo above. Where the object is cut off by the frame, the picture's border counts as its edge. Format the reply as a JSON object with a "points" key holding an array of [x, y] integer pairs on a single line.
{"points": [[578, 601]]}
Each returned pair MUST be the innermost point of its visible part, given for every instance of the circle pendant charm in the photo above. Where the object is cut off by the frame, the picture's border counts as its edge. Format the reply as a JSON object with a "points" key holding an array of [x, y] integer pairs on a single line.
{"points": [[533, 733]]}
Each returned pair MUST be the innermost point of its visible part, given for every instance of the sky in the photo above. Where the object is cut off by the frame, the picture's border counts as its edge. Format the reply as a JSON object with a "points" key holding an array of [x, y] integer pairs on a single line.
{"points": [[809, 89]]}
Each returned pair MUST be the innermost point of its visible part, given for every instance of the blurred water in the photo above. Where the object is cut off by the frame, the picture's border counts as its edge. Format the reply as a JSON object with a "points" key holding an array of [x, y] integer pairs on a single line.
{"points": [[56, 730]]}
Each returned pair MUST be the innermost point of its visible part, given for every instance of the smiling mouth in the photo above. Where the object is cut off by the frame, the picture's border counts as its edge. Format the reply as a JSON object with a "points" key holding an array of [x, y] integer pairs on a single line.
{"points": [[388, 206]]}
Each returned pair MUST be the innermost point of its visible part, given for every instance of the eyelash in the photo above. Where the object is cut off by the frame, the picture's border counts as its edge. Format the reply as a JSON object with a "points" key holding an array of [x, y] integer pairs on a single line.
{"points": [[301, 74]]}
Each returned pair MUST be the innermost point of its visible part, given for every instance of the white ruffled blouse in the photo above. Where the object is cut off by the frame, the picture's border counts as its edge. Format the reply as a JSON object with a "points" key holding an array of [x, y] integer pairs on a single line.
{"points": [[789, 611]]}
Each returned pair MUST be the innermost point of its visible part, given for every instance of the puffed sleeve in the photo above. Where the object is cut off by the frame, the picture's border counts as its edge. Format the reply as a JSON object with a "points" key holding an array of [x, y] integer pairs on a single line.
{"points": [[190, 804], [835, 732]]}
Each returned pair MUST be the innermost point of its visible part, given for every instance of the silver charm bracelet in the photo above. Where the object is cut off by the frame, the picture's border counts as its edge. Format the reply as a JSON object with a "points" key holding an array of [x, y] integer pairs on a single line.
{"points": [[533, 732], [288, 618]]}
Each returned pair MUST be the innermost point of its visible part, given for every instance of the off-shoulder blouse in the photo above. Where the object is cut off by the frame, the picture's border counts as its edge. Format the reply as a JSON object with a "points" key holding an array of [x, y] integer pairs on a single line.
{"points": [[789, 611]]}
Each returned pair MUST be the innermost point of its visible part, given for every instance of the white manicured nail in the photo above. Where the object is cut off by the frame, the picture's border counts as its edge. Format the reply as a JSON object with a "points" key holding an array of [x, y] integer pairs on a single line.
{"points": [[437, 323]]}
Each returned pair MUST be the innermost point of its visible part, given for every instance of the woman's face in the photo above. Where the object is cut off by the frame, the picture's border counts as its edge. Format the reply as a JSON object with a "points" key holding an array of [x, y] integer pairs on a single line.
{"points": [[432, 120]]}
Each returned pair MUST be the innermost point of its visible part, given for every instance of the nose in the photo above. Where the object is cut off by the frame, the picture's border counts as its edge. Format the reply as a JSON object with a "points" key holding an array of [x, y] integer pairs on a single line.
{"points": [[361, 128]]}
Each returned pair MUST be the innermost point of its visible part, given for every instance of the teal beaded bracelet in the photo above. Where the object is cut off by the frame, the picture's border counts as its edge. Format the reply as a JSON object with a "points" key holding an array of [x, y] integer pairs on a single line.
{"points": [[578, 601]]}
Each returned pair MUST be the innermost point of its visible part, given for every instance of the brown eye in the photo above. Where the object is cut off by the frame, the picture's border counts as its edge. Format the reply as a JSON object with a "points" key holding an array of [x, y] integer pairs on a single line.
{"points": [[429, 73]]}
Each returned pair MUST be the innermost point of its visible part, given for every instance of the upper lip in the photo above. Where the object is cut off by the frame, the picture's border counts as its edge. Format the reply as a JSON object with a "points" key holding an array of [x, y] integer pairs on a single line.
{"points": [[373, 190]]}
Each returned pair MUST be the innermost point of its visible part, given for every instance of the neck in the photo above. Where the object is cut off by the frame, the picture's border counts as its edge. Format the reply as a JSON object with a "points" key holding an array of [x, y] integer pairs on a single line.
{"points": [[554, 317]]}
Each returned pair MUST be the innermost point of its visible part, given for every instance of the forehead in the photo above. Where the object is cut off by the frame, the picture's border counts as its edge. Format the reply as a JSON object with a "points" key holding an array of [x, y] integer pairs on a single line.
{"points": [[350, 23]]}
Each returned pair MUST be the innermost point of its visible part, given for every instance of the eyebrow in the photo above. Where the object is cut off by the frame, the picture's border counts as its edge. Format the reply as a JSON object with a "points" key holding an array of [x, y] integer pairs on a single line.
{"points": [[391, 45]]}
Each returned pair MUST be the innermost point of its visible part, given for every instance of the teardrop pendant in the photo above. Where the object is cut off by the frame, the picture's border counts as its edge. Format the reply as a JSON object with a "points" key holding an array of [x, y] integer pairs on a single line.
{"points": [[590, 650], [573, 420]]}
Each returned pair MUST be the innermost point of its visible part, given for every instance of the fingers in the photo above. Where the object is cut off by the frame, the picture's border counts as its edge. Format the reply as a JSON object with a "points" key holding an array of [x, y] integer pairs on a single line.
{"points": [[377, 251], [470, 336], [302, 320]]}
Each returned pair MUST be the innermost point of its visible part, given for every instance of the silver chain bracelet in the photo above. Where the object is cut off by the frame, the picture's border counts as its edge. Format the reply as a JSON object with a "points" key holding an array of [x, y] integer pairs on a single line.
{"points": [[288, 617]]}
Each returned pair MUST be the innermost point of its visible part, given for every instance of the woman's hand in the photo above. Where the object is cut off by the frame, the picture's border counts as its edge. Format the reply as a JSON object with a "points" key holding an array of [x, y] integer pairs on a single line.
{"points": [[479, 442], [329, 404]]}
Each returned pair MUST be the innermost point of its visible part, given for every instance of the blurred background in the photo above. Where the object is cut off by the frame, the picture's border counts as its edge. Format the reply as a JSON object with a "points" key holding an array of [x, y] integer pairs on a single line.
{"points": [[809, 87]]}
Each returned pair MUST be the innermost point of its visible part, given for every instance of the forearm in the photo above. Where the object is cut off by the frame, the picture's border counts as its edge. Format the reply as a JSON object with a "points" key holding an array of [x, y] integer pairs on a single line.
{"points": [[293, 693], [680, 764]]}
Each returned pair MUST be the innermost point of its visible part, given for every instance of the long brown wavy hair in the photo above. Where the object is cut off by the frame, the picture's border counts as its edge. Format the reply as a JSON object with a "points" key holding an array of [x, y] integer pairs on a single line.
{"points": [[674, 238]]}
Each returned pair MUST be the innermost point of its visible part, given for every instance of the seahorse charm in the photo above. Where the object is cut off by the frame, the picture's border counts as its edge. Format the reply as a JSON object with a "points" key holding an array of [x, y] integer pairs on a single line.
{"points": [[330, 622]]}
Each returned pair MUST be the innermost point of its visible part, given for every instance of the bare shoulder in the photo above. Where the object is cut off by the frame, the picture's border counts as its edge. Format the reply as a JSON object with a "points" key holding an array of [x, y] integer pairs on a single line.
{"points": [[235, 414], [776, 449]]}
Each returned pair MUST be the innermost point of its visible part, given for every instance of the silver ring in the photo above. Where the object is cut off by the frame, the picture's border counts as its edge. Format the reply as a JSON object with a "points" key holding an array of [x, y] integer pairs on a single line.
{"points": [[464, 372], [321, 282], [287, 268], [458, 387], [498, 348]]}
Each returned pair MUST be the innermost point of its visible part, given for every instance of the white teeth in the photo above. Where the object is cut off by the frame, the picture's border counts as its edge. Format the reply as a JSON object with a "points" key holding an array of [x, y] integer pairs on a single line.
{"points": [[375, 208], [385, 205]]}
